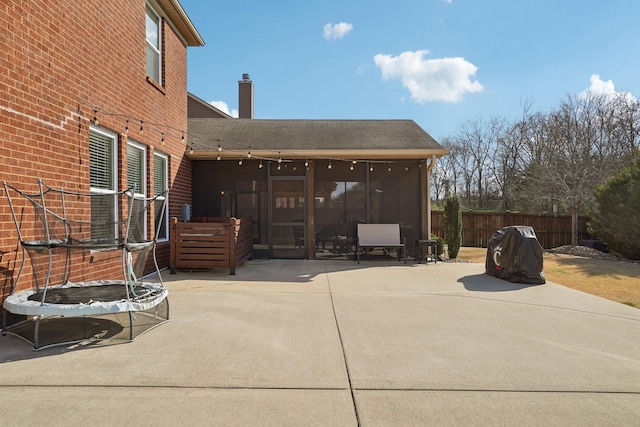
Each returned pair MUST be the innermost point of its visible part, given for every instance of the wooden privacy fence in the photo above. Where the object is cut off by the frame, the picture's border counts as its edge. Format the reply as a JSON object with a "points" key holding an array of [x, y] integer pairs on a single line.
{"points": [[210, 242], [477, 227]]}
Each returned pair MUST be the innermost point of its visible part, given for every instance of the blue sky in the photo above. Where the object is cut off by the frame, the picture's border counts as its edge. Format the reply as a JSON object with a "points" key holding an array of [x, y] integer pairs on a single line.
{"points": [[437, 62]]}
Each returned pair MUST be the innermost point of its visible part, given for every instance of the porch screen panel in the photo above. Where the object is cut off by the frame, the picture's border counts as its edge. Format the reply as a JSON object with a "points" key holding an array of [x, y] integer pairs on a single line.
{"points": [[340, 203], [394, 196]]}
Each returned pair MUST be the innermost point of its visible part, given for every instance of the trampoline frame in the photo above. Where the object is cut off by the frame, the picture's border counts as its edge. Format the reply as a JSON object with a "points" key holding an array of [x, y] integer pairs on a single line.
{"points": [[60, 239]]}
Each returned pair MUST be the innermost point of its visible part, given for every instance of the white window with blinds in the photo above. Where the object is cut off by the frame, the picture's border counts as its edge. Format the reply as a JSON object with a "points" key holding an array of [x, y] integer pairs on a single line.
{"points": [[137, 179], [160, 186], [154, 45], [103, 183]]}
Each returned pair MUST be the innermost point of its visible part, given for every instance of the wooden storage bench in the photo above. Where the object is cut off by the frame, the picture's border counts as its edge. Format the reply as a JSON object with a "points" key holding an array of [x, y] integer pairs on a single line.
{"points": [[210, 243]]}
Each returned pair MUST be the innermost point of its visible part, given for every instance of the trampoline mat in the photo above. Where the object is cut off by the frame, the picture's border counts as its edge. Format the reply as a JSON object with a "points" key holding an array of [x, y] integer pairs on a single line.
{"points": [[89, 294]]}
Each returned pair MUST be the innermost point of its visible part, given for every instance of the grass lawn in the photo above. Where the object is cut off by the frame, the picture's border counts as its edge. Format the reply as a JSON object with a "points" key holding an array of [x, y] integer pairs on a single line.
{"points": [[615, 280]]}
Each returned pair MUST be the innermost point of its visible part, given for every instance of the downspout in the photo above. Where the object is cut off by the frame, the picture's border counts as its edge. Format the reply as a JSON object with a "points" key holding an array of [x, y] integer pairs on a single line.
{"points": [[430, 165]]}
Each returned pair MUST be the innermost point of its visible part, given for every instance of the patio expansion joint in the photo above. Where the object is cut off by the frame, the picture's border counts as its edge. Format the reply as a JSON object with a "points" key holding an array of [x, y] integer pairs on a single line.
{"points": [[166, 387], [488, 390], [344, 354]]}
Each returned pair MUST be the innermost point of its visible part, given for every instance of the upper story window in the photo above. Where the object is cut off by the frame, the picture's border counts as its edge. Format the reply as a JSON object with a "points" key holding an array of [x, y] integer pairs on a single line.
{"points": [[154, 46]]}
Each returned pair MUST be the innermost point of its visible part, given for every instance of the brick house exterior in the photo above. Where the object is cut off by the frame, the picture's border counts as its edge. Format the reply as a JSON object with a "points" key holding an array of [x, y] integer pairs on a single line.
{"points": [[65, 63]]}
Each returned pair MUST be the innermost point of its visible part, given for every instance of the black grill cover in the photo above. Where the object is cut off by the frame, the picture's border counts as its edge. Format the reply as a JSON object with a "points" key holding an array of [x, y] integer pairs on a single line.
{"points": [[514, 254]]}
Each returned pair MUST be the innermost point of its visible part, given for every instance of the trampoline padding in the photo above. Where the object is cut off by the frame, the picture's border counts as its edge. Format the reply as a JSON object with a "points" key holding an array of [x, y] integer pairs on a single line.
{"points": [[86, 298]]}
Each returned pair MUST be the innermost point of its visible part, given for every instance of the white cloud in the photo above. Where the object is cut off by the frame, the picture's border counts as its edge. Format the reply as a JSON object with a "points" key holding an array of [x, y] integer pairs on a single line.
{"points": [[600, 87], [338, 31], [429, 80], [222, 106]]}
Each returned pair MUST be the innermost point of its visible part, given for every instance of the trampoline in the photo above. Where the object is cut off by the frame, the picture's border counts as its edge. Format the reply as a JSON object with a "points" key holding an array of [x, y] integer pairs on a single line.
{"points": [[55, 237]]}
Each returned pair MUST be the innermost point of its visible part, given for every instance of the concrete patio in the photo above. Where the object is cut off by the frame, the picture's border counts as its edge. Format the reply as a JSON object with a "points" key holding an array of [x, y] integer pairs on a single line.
{"points": [[334, 343]]}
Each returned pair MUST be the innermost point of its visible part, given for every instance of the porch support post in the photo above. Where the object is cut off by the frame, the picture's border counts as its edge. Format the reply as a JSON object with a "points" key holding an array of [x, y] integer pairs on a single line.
{"points": [[426, 197], [425, 211], [310, 225]]}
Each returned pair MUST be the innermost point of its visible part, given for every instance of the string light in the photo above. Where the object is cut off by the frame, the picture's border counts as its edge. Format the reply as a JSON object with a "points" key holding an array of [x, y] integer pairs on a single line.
{"points": [[371, 168], [329, 167], [278, 166], [249, 153], [306, 163], [218, 157], [240, 162], [161, 128], [279, 158], [260, 165], [219, 148]]}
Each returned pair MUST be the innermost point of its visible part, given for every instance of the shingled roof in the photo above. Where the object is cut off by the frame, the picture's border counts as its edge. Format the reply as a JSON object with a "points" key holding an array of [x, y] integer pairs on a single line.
{"points": [[347, 139]]}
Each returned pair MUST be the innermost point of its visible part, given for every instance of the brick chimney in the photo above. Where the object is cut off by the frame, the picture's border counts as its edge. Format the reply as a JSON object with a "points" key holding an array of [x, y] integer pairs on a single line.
{"points": [[245, 98]]}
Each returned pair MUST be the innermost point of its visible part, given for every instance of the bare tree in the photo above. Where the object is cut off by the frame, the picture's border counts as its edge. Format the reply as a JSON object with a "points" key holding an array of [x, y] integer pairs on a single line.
{"points": [[571, 151], [475, 141]]}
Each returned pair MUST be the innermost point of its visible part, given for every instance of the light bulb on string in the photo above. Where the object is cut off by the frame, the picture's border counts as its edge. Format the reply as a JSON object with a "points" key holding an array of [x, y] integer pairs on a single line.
{"points": [[141, 126], [162, 138], [371, 168], [218, 157], [278, 166], [279, 158], [182, 137], [249, 153], [95, 117], [306, 163], [329, 167], [126, 128], [240, 162], [260, 165], [219, 148]]}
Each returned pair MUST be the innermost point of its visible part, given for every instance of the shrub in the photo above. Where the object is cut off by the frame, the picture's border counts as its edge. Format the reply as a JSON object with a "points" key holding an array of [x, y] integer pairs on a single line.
{"points": [[453, 225], [439, 244], [616, 219]]}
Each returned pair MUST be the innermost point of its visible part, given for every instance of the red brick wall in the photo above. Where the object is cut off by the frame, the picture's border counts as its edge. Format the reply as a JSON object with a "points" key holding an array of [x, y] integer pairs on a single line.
{"points": [[59, 60]]}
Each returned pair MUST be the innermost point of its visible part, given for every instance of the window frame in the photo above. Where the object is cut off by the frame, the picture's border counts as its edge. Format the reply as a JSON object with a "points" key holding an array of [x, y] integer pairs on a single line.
{"points": [[157, 19], [143, 167], [165, 219], [139, 195], [114, 172]]}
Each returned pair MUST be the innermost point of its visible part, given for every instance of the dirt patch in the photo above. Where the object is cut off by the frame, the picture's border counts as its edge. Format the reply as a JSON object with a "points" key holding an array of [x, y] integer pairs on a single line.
{"points": [[584, 269]]}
